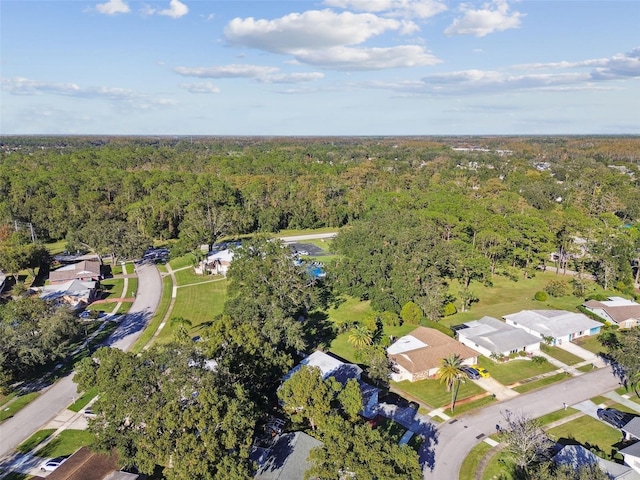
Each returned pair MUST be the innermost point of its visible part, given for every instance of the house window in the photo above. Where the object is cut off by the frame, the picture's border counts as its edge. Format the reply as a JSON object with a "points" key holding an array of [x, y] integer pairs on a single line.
{"points": [[581, 333]]}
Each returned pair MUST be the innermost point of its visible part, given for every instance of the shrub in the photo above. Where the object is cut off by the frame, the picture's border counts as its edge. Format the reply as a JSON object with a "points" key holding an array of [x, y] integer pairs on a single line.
{"points": [[541, 296], [450, 309], [537, 359], [390, 319], [411, 313], [557, 288]]}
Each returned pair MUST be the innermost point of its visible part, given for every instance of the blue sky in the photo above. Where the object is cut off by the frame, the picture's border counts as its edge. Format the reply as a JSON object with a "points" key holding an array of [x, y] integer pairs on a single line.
{"points": [[329, 67]]}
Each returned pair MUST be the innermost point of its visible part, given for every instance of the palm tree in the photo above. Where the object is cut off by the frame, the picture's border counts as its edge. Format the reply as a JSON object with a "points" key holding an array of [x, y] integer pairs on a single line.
{"points": [[360, 336], [450, 373]]}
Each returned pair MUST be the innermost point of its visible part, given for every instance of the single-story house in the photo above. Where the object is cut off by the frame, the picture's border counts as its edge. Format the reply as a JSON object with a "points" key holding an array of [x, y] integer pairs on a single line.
{"points": [[74, 293], [631, 455], [286, 458], [85, 271], [559, 325], [216, 263], [419, 355], [577, 456], [490, 336], [632, 429], [616, 311], [88, 465], [330, 366]]}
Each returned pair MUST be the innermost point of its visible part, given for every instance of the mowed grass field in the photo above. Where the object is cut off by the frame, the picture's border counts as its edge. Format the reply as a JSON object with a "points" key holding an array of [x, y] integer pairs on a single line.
{"points": [[199, 304], [506, 296]]}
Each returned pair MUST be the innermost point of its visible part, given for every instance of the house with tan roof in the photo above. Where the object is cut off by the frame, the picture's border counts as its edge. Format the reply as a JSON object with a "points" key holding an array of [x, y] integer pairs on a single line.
{"points": [[84, 271], [418, 355], [616, 311]]}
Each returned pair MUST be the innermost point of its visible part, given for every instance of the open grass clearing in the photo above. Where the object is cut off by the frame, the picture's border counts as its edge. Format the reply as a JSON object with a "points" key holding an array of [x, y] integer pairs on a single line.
{"points": [[561, 355], [435, 394], [472, 461], [66, 443], [507, 296], [54, 248], [199, 304], [35, 440], [541, 382], [516, 370], [16, 405]]}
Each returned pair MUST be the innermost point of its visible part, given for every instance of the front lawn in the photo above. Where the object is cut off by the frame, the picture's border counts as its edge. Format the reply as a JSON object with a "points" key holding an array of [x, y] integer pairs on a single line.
{"points": [[82, 401], [515, 370], [587, 431], [34, 440], [471, 462], [590, 343], [66, 443], [541, 382], [112, 287], [189, 277], [561, 355], [435, 394]]}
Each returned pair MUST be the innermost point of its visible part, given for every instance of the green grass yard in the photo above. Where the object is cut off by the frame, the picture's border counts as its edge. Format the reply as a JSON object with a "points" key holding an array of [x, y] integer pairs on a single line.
{"points": [[199, 304], [34, 440], [507, 296], [541, 382], [590, 343], [9, 410], [189, 277], [435, 394], [587, 431], [558, 353], [66, 443], [515, 370], [471, 462]]}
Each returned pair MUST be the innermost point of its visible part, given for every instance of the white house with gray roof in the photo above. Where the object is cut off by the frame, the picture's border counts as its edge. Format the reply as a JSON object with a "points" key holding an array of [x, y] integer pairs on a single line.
{"points": [[490, 336], [558, 325]]}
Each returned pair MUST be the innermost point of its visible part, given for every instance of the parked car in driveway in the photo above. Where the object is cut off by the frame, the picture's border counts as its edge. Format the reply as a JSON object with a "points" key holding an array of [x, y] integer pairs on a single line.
{"points": [[51, 464], [614, 417], [482, 371], [471, 373]]}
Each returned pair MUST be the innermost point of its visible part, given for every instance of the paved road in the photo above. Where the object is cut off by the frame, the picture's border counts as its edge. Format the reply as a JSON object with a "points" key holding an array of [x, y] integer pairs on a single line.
{"points": [[58, 396], [456, 438], [302, 238]]}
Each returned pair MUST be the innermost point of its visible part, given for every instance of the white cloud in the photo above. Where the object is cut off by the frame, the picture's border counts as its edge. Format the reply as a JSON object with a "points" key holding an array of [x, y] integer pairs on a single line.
{"points": [[392, 8], [176, 9], [492, 17], [311, 30], [227, 71], [345, 58], [257, 72], [113, 7], [119, 96], [292, 77], [206, 87]]}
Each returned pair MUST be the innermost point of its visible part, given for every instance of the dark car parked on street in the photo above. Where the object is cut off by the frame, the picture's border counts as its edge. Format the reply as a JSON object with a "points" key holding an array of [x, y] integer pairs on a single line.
{"points": [[472, 373], [614, 417]]}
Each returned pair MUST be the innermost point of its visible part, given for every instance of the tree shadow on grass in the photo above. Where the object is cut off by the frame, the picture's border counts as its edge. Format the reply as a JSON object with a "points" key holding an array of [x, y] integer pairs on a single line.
{"points": [[318, 330]]}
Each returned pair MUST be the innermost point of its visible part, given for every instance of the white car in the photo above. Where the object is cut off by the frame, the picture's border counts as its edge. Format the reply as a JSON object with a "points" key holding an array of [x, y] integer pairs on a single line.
{"points": [[51, 464]]}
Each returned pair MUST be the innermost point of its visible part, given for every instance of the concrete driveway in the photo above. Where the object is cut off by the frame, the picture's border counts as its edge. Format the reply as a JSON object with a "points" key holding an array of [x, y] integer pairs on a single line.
{"points": [[494, 387]]}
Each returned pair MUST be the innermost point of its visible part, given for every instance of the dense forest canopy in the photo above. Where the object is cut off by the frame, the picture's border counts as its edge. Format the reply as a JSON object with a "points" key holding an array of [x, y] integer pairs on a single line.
{"points": [[458, 208]]}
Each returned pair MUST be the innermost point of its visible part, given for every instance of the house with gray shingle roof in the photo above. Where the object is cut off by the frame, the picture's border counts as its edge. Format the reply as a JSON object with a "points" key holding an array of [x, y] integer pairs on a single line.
{"points": [[74, 293], [558, 325], [616, 311], [631, 455], [490, 336], [287, 458], [577, 456]]}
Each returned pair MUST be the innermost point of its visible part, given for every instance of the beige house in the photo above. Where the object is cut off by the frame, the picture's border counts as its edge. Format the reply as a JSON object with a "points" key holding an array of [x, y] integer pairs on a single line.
{"points": [[85, 271], [616, 311], [419, 355]]}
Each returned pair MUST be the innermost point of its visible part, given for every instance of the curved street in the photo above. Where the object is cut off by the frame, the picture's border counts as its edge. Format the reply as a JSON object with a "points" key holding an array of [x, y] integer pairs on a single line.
{"points": [[457, 437], [58, 396]]}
